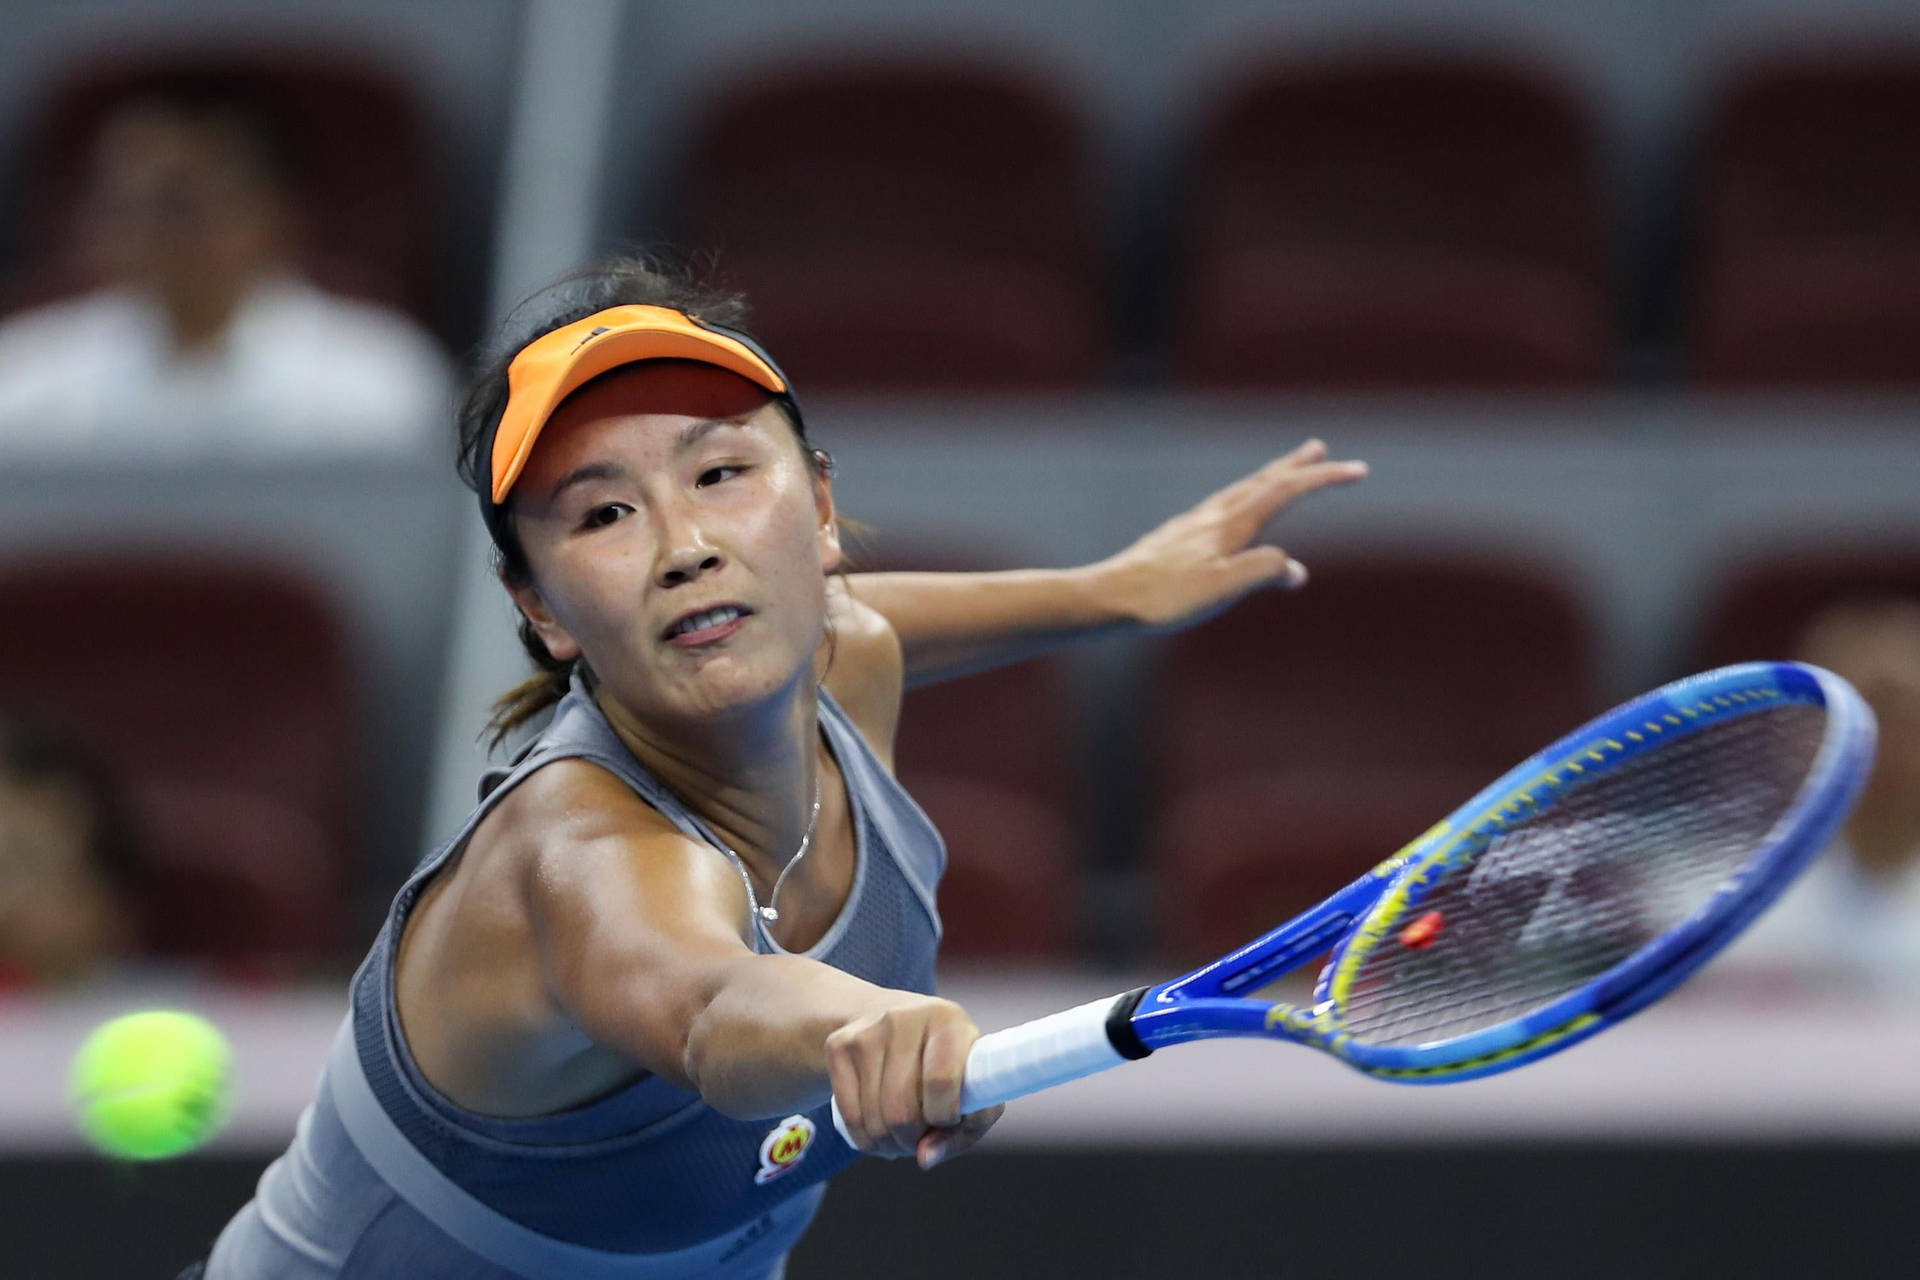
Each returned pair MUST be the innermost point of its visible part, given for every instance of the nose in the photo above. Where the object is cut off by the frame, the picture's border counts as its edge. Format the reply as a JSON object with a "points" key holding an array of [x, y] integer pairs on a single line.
{"points": [[685, 553]]}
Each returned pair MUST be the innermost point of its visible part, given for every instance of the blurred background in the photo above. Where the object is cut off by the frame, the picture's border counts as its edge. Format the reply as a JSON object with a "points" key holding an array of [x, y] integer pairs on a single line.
{"points": [[1621, 302]]}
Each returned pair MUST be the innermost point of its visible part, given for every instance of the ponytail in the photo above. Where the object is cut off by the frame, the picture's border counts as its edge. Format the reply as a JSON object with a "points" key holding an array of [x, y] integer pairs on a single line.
{"points": [[537, 693]]}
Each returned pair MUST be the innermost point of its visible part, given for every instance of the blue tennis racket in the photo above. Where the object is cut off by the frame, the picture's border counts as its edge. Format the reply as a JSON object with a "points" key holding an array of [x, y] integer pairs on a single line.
{"points": [[1574, 891]]}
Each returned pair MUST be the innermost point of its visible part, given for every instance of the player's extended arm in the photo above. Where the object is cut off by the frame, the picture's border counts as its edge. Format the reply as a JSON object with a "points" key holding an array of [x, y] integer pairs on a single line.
{"points": [[1187, 570], [640, 931]]}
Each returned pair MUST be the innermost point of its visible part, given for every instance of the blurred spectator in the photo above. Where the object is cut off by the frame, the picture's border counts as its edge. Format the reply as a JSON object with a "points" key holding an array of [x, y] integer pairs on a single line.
{"points": [[1854, 917], [201, 334], [67, 900]]}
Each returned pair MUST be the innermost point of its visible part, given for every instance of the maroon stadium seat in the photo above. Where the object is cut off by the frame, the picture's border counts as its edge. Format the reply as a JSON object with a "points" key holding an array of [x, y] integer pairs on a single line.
{"points": [[1301, 738], [903, 224], [355, 141], [990, 757], [1380, 223], [220, 696], [1810, 227], [1761, 608]]}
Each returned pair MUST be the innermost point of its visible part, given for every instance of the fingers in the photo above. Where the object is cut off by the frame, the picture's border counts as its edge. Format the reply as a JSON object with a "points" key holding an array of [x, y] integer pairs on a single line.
{"points": [[944, 1144], [1311, 449], [1305, 454], [1278, 489], [1263, 566], [943, 1064], [896, 1074], [855, 1056], [857, 1066], [1290, 476], [901, 1110]]}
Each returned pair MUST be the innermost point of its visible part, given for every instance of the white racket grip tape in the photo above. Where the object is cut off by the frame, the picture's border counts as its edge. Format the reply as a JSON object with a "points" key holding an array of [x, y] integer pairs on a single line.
{"points": [[1036, 1055]]}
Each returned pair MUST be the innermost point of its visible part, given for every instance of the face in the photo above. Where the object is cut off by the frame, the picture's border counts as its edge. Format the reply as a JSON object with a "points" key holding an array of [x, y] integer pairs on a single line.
{"points": [[45, 862], [656, 496], [174, 205], [1876, 646]]}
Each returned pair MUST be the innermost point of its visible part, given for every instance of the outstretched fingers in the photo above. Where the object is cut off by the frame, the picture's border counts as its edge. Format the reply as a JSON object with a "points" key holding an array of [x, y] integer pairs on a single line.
{"points": [[1305, 454], [1287, 479], [1262, 565]]}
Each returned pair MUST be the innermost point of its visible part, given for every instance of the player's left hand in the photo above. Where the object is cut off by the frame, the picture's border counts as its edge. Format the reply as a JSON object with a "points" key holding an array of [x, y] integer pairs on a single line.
{"points": [[1201, 561]]}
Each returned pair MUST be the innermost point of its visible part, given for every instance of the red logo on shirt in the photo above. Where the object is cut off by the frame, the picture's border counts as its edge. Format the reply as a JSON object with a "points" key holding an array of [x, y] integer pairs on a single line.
{"points": [[783, 1148]]}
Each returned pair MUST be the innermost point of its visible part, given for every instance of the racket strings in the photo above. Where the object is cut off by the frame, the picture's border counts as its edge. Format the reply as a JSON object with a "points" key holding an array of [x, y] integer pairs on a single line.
{"points": [[1553, 903]]}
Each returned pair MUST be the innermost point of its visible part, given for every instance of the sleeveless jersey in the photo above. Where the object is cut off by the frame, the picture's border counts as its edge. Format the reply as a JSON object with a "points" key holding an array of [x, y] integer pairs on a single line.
{"points": [[387, 1177]]}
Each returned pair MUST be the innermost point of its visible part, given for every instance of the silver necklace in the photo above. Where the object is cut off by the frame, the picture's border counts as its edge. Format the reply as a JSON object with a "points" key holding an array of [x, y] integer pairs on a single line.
{"points": [[768, 913]]}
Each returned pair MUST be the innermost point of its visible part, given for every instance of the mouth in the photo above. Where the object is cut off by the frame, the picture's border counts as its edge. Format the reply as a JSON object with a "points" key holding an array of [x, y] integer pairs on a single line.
{"points": [[704, 626]]}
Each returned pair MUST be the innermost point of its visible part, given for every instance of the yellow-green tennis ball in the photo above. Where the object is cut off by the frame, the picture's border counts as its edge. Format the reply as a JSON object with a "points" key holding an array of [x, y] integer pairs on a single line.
{"points": [[151, 1085]]}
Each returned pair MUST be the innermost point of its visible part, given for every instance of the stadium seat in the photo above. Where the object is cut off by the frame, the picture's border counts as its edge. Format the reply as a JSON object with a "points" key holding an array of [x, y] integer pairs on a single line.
{"points": [[1393, 223], [1761, 608], [900, 224], [1299, 739], [355, 139], [1809, 271], [219, 695], [990, 757], [987, 756]]}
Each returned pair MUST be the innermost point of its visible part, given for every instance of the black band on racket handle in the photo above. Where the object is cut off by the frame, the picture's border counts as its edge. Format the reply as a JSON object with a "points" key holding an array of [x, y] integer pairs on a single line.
{"points": [[1120, 1033]]}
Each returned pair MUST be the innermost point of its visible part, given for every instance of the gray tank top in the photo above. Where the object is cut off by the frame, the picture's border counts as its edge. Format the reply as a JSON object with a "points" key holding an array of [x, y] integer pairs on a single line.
{"points": [[387, 1177]]}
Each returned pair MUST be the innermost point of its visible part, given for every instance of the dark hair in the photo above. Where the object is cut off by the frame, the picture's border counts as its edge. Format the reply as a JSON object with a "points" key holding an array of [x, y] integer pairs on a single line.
{"points": [[613, 282], [230, 104]]}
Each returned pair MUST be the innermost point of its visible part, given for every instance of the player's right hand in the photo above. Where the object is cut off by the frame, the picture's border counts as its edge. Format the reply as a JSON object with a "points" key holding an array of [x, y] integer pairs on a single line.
{"points": [[896, 1074], [1203, 560]]}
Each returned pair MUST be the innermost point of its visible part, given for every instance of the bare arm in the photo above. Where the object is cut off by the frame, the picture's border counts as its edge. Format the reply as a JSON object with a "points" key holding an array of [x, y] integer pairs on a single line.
{"points": [[951, 624], [641, 937], [1185, 571]]}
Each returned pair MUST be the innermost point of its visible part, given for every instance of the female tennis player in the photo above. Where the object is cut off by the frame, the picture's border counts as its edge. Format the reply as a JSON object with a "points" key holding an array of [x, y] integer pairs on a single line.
{"points": [[600, 1031]]}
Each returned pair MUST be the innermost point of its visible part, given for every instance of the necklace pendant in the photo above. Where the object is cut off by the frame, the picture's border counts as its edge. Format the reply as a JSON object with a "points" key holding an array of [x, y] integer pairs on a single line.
{"points": [[767, 913]]}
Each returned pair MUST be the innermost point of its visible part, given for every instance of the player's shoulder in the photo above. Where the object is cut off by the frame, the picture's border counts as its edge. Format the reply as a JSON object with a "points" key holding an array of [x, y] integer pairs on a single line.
{"points": [[574, 843], [868, 669], [569, 805], [861, 629]]}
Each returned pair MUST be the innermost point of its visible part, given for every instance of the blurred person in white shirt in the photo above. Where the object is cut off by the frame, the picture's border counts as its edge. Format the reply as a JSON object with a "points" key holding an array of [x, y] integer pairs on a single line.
{"points": [[202, 335], [1852, 921]]}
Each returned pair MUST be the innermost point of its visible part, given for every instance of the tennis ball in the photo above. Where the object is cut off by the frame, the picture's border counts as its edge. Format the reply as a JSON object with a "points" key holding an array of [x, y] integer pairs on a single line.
{"points": [[151, 1085]]}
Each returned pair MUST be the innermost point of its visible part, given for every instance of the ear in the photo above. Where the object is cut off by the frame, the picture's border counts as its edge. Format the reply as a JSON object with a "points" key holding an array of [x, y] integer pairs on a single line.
{"points": [[828, 533], [559, 643]]}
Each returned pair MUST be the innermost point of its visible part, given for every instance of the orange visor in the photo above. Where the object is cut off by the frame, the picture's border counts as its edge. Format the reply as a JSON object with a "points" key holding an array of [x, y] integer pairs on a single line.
{"points": [[555, 365]]}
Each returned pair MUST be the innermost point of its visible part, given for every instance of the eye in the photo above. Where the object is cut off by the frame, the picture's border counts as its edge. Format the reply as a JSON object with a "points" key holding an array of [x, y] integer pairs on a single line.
{"points": [[714, 475], [604, 514]]}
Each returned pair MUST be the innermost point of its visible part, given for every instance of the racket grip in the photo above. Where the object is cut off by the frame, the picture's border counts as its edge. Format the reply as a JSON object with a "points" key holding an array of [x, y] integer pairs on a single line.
{"points": [[1036, 1055]]}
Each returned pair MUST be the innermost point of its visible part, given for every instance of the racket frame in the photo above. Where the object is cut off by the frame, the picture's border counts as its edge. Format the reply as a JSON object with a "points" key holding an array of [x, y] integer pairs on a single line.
{"points": [[1203, 1004]]}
